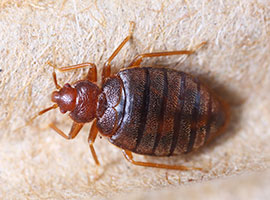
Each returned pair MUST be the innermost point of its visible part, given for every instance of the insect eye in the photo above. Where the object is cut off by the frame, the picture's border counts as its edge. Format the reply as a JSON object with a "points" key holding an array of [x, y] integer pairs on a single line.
{"points": [[55, 96], [67, 85]]}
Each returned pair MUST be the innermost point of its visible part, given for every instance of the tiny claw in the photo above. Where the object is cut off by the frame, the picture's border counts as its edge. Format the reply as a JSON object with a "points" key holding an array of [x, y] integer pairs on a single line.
{"points": [[200, 45], [131, 27], [52, 65], [197, 168]]}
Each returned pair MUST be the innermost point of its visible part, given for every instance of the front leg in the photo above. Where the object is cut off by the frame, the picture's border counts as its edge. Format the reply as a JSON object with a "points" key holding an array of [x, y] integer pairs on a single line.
{"points": [[75, 129], [91, 76]]}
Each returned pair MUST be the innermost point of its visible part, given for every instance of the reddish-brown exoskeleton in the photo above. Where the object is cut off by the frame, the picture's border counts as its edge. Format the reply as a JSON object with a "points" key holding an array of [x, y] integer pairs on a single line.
{"points": [[144, 110]]}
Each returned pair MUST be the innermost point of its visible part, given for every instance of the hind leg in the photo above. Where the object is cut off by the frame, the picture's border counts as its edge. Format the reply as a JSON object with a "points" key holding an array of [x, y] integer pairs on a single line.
{"points": [[129, 157]]}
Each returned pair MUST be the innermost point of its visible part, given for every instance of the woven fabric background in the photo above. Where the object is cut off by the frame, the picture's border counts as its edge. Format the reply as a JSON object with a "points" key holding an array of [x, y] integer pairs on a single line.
{"points": [[36, 163]]}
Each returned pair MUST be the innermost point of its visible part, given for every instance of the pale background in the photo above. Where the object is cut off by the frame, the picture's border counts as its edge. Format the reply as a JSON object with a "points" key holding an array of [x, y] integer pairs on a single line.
{"points": [[36, 163]]}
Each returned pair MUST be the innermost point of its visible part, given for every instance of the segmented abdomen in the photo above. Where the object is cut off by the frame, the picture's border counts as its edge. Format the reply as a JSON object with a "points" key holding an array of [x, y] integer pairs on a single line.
{"points": [[166, 112]]}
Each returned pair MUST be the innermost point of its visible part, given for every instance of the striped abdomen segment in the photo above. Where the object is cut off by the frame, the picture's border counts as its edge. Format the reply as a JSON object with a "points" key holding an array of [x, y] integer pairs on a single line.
{"points": [[166, 112]]}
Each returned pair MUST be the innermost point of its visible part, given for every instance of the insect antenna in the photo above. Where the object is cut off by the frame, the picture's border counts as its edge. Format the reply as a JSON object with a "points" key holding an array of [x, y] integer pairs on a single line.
{"points": [[54, 106], [55, 81]]}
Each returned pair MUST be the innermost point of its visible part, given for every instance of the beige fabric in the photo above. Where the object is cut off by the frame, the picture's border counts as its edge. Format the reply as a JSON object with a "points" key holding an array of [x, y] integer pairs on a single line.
{"points": [[36, 163]]}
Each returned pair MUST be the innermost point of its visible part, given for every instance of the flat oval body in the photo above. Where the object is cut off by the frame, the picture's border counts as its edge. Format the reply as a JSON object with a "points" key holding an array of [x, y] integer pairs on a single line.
{"points": [[160, 112]]}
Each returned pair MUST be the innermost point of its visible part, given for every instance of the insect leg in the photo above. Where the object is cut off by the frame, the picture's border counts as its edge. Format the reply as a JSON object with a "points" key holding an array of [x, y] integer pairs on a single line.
{"points": [[129, 157], [91, 139], [138, 59], [106, 72], [92, 73], [75, 129]]}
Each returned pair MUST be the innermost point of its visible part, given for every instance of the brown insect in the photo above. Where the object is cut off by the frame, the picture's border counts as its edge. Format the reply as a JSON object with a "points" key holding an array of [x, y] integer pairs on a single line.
{"points": [[144, 110]]}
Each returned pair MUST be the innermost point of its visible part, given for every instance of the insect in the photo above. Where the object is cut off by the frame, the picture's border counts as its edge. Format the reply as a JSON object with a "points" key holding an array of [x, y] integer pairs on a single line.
{"points": [[143, 110]]}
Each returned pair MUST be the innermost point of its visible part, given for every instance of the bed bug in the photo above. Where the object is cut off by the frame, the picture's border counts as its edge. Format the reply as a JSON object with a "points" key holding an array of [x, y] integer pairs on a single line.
{"points": [[144, 110]]}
